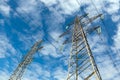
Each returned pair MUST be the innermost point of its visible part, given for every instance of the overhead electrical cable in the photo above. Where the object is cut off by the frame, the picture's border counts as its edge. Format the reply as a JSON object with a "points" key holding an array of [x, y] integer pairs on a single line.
{"points": [[108, 36], [117, 69], [26, 22]]}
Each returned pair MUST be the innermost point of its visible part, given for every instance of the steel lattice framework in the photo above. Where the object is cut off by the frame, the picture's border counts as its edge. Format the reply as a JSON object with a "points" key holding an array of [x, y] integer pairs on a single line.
{"points": [[82, 65], [18, 73]]}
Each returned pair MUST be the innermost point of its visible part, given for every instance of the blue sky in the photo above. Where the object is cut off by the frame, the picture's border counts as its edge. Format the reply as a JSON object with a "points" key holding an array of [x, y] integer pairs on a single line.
{"points": [[23, 22]]}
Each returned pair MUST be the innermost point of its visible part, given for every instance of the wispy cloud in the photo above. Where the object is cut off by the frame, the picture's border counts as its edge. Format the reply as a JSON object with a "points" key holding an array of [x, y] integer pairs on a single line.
{"points": [[116, 44], [31, 10], [4, 8], [4, 75], [35, 71], [60, 74], [103, 57], [62, 6], [6, 48]]}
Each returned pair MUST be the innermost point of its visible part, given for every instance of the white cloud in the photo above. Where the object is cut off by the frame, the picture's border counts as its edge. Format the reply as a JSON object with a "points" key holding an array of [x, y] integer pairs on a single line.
{"points": [[60, 74], [29, 7], [113, 6], [49, 2], [54, 20], [102, 57], [29, 38], [55, 35], [63, 6], [49, 50], [116, 43], [4, 7], [68, 7], [30, 10], [105, 68], [97, 45], [4, 75], [116, 38], [115, 18], [6, 48], [36, 72]]}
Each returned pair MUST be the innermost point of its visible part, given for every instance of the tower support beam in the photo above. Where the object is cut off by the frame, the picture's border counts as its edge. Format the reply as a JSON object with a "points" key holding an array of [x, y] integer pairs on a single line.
{"points": [[18, 73], [81, 66]]}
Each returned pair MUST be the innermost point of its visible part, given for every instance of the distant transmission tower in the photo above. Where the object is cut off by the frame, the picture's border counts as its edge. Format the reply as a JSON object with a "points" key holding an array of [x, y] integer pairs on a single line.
{"points": [[82, 65], [18, 73]]}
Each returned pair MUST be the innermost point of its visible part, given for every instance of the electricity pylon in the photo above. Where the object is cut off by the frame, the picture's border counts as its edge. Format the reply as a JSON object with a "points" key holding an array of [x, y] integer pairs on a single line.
{"points": [[18, 73], [82, 65]]}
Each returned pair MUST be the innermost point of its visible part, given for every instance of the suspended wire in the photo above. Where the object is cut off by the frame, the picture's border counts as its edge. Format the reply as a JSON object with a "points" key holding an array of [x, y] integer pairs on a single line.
{"points": [[95, 6], [107, 34], [30, 19], [101, 19], [79, 3], [20, 16], [119, 4], [50, 42], [38, 24], [117, 69]]}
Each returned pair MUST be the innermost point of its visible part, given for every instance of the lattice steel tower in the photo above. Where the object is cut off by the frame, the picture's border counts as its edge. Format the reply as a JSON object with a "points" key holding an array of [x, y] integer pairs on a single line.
{"points": [[18, 73], [82, 65]]}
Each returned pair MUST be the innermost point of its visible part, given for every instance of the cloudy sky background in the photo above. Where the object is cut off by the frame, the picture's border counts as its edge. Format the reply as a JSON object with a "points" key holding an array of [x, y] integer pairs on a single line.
{"points": [[23, 22]]}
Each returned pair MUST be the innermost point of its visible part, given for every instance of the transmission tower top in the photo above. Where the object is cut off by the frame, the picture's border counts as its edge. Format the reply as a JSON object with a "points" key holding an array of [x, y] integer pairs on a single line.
{"points": [[82, 65]]}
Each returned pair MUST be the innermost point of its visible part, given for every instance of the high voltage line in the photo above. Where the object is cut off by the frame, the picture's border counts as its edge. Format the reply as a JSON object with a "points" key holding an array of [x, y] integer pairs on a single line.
{"points": [[113, 62], [117, 69], [30, 18], [20, 16]]}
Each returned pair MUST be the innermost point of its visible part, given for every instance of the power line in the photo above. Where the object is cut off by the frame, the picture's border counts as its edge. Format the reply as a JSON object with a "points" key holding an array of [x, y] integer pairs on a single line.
{"points": [[107, 34], [117, 69], [79, 3], [27, 22]]}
